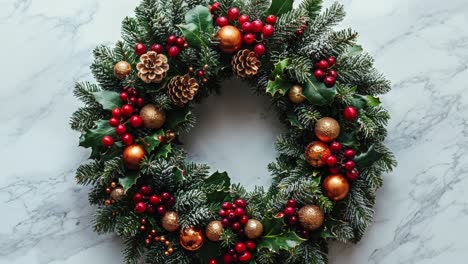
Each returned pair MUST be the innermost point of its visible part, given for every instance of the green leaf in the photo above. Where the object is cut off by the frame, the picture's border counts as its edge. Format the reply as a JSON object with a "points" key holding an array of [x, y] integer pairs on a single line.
{"points": [[280, 84], [151, 142], [373, 101], [346, 138], [367, 159], [93, 137], [358, 101], [276, 238], [219, 185], [199, 26], [176, 117], [108, 100], [292, 118], [164, 151], [112, 152], [279, 7], [129, 180], [354, 50], [317, 93]]}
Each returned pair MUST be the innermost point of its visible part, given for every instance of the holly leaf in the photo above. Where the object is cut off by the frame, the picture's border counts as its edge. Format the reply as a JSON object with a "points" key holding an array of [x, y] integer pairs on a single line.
{"points": [[279, 7], [198, 27], [112, 152], [373, 101], [354, 50], [367, 159], [292, 118], [176, 117], [346, 138], [275, 238], [129, 180], [279, 84], [317, 93], [164, 151], [93, 137], [151, 142], [109, 100], [219, 185]]}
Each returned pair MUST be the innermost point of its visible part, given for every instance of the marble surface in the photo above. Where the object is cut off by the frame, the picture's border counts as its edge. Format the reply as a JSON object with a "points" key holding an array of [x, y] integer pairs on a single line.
{"points": [[421, 213]]}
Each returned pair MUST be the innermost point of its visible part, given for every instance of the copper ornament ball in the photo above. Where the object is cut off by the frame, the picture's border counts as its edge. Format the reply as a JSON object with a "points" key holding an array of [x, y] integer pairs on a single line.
{"points": [[152, 116], [295, 94], [230, 39], [327, 129], [191, 238], [170, 221], [311, 217], [214, 230], [314, 153], [122, 69], [253, 229], [336, 187], [132, 156], [117, 193]]}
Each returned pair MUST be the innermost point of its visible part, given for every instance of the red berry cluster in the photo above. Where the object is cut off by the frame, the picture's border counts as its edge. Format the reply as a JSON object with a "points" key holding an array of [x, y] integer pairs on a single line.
{"points": [[146, 201], [341, 161], [254, 32], [233, 215], [173, 47], [290, 212], [127, 114], [300, 31], [242, 252], [324, 72]]}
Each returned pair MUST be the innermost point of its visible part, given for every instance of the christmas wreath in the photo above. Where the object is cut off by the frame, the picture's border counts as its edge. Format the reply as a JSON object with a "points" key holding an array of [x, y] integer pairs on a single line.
{"points": [[173, 54]]}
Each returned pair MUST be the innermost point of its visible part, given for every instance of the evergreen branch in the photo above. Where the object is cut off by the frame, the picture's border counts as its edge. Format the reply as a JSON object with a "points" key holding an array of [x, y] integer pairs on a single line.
{"points": [[133, 250], [83, 119], [312, 7]]}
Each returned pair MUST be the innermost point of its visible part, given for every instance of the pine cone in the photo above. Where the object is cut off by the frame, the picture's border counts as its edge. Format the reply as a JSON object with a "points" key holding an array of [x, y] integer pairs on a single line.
{"points": [[246, 64], [153, 67], [182, 89]]}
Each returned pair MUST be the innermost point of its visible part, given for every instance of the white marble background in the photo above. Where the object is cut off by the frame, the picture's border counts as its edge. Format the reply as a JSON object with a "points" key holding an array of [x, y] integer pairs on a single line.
{"points": [[422, 211]]}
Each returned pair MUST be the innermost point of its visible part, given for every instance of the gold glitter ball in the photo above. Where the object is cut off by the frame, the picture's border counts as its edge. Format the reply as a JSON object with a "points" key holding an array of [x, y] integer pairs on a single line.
{"points": [[311, 217], [214, 230], [327, 129]]}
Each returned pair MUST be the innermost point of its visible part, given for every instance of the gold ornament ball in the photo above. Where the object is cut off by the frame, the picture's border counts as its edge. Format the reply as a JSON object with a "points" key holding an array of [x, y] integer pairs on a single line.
{"points": [[152, 116], [170, 221], [191, 238], [230, 39], [314, 153], [214, 230], [311, 217], [132, 156], [327, 129], [122, 69], [253, 229], [117, 193], [295, 94], [336, 187]]}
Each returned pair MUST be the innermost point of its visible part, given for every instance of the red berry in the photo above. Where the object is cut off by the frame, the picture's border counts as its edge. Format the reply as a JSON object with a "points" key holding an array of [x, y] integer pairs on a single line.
{"points": [[259, 49], [107, 141], [350, 113], [335, 146], [161, 210], [140, 101], [158, 48], [350, 165], [131, 91], [239, 212], [289, 211], [230, 214], [319, 74], [133, 99], [251, 246], [222, 213], [124, 96], [225, 222], [280, 215], [222, 21], [235, 226], [116, 113], [271, 19], [213, 261], [257, 26], [247, 27], [113, 122], [244, 219], [165, 196], [228, 259], [143, 221], [174, 51], [240, 203], [140, 49], [249, 39], [352, 175], [245, 258], [127, 139], [333, 73], [127, 110], [226, 205], [292, 220], [349, 153], [240, 248], [215, 6], [268, 31], [170, 202], [201, 73], [329, 81], [324, 157], [150, 209], [291, 203], [120, 129], [334, 170], [233, 13], [331, 61], [137, 198], [140, 207], [323, 65], [243, 19], [154, 199], [136, 121], [332, 161], [180, 42], [145, 190], [172, 39]]}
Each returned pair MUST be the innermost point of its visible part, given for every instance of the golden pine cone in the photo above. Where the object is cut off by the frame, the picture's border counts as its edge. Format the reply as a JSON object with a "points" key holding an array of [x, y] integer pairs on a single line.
{"points": [[246, 64], [182, 89], [152, 67]]}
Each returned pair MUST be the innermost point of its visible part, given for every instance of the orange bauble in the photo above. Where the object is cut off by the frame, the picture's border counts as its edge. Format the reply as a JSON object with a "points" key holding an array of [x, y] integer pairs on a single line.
{"points": [[132, 156], [191, 238], [230, 39], [314, 153], [336, 187]]}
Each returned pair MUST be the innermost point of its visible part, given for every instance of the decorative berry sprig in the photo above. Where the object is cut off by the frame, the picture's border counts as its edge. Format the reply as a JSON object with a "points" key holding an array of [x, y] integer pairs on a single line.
{"points": [[325, 73], [233, 215], [151, 203], [242, 252], [341, 161], [174, 45]]}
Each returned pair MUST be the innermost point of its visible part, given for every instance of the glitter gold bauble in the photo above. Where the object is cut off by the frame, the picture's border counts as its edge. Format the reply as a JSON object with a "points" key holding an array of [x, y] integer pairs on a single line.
{"points": [[117, 193], [170, 221], [230, 39], [253, 229], [336, 187], [191, 238], [122, 69], [314, 153], [327, 129], [214, 230], [295, 94], [152, 116], [311, 217], [132, 156]]}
